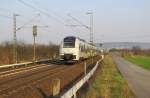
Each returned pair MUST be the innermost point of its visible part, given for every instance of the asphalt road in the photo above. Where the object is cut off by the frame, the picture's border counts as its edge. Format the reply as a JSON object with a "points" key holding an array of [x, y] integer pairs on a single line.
{"points": [[137, 77]]}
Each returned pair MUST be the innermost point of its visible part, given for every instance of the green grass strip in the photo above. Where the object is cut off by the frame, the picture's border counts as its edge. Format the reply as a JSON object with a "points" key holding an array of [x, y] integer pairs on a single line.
{"points": [[142, 61]]}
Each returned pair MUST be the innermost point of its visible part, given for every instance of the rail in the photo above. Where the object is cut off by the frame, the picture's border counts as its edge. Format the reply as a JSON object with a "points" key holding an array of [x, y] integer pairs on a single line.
{"points": [[23, 64]]}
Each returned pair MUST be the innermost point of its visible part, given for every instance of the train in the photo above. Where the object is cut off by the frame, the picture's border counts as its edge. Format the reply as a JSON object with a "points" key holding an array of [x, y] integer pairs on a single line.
{"points": [[75, 49]]}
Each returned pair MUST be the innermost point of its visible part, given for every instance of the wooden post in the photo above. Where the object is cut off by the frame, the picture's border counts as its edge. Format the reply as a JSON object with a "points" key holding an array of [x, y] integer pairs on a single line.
{"points": [[85, 68], [56, 86]]}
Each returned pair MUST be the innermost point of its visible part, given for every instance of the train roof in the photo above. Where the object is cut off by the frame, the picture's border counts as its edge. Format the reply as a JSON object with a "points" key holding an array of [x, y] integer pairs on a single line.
{"points": [[74, 37]]}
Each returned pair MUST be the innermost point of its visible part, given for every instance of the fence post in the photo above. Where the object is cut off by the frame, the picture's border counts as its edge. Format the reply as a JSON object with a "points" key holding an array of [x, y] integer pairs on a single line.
{"points": [[74, 96], [85, 68]]}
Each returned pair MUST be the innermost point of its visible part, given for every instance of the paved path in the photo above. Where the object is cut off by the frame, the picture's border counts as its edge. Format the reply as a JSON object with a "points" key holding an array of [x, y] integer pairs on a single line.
{"points": [[137, 77]]}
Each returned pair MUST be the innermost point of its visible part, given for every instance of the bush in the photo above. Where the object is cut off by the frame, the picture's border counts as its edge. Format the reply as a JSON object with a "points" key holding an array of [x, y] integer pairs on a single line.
{"points": [[25, 52]]}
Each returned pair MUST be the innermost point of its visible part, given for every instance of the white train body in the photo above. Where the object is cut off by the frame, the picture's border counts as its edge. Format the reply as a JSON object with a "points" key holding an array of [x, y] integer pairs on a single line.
{"points": [[73, 48]]}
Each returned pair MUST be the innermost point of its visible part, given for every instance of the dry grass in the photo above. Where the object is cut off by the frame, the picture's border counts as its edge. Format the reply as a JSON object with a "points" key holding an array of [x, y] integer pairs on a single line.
{"points": [[25, 52]]}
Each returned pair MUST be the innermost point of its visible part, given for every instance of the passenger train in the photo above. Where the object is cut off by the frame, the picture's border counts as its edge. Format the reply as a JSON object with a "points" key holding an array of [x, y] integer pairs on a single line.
{"points": [[75, 49]]}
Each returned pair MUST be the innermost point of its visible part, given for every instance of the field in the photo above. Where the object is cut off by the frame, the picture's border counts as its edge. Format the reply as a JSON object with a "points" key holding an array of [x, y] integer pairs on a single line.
{"points": [[25, 52], [108, 83], [143, 61]]}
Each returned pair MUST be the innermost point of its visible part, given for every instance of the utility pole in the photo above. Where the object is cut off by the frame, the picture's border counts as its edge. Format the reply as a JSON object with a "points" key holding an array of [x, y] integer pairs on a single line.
{"points": [[15, 39], [15, 29], [34, 44], [91, 25], [34, 30]]}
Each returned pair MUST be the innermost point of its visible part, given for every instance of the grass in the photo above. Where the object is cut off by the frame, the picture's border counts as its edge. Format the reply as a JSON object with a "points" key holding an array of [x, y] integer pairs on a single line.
{"points": [[108, 83], [142, 61]]}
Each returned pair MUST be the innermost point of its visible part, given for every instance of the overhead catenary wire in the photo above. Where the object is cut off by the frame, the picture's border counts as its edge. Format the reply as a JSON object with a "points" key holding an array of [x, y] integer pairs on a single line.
{"points": [[31, 20], [47, 10], [43, 22], [41, 11], [10, 18], [82, 24], [44, 11], [11, 12], [77, 29], [5, 10], [5, 16]]}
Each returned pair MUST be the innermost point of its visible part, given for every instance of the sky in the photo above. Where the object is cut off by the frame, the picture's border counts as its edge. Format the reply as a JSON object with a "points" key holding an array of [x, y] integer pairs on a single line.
{"points": [[114, 20]]}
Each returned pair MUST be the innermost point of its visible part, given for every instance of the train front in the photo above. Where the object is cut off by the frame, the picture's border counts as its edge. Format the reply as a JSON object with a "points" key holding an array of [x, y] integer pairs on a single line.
{"points": [[69, 49]]}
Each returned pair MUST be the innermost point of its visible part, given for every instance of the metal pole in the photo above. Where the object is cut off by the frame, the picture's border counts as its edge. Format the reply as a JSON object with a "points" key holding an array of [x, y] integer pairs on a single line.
{"points": [[34, 30], [15, 40], [34, 49], [91, 27]]}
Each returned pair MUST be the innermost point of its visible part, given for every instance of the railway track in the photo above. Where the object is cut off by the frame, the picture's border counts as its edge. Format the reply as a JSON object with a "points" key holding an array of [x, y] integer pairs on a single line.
{"points": [[17, 70], [39, 77], [13, 71], [3, 69], [14, 82]]}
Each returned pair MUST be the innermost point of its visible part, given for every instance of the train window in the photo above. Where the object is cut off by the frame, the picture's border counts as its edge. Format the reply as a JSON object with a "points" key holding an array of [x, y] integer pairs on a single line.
{"points": [[69, 45], [69, 42]]}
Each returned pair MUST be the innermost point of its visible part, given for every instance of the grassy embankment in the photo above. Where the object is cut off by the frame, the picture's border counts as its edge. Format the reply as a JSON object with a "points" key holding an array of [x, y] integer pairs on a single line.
{"points": [[143, 61], [108, 83]]}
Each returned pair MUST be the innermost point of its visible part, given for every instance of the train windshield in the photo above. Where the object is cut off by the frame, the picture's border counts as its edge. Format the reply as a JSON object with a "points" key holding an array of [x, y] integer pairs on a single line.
{"points": [[69, 42]]}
